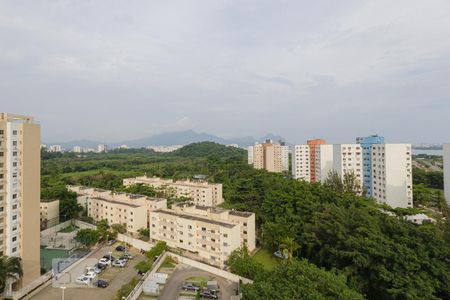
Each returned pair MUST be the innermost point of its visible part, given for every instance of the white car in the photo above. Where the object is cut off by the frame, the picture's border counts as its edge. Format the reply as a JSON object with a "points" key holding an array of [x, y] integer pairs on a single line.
{"points": [[93, 269], [119, 263], [104, 261], [91, 275], [83, 280]]}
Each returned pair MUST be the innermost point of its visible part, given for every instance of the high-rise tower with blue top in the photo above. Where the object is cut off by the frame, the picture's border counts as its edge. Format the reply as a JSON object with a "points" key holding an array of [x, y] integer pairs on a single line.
{"points": [[366, 145]]}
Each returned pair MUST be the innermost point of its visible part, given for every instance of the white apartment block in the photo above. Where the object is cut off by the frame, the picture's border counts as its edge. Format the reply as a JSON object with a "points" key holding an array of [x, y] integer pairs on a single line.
{"points": [[347, 158], [200, 192], [301, 165], [250, 155], [447, 173], [324, 162], [77, 149], [165, 149], [209, 234], [392, 174], [20, 192], [55, 148], [102, 148], [118, 208]]}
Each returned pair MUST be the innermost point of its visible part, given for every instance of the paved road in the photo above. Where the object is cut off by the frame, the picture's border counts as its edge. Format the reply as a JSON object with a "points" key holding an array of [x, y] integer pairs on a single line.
{"points": [[182, 272], [116, 276]]}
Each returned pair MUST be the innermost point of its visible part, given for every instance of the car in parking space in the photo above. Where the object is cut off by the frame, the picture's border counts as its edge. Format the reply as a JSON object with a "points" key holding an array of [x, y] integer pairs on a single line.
{"points": [[104, 261], [190, 287], [100, 266], [91, 275], [96, 270], [120, 248], [111, 242], [128, 255], [101, 283], [208, 294], [83, 280], [119, 263], [110, 257]]}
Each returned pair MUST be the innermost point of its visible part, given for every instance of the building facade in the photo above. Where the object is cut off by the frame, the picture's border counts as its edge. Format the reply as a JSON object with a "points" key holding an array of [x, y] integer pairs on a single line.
{"points": [[284, 157], [347, 158], [313, 147], [324, 162], [392, 174], [200, 192], [207, 233], [118, 208], [301, 164], [268, 156], [366, 143], [250, 155], [49, 213], [20, 192]]}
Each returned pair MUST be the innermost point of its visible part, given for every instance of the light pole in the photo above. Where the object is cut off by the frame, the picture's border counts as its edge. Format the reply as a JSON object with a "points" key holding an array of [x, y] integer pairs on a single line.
{"points": [[63, 288], [107, 236], [110, 256]]}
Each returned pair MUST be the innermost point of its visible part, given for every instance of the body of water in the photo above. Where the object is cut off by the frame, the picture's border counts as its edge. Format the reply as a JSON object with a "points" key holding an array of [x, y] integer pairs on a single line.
{"points": [[427, 152]]}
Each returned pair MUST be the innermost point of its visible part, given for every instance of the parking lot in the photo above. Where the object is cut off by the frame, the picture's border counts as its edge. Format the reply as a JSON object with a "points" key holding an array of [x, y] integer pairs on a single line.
{"points": [[173, 288], [114, 275]]}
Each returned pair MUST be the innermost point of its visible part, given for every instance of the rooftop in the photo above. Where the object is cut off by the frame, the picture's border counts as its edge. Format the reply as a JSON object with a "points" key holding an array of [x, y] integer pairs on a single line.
{"points": [[117, 202], [195, 218]]}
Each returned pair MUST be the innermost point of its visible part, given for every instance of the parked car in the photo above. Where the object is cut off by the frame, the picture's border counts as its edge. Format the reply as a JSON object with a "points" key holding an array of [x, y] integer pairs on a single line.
{"points": [[111, 242], [109, 257], [93, 269], [104, 261], [101, 283], [126, 254], [100, 266], [91, 275], [141, 273], [208, 294], [119, 263], [83, 280], [120, 248], [190, 287]]}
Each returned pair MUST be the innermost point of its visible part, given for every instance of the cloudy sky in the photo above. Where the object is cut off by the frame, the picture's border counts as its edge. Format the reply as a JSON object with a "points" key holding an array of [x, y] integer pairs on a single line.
{"points": [[117, 70]]}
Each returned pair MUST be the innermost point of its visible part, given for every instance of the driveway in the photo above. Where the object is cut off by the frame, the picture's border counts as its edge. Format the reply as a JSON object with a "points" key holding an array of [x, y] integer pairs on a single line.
{"points": [[116, 276], [173, 286]]}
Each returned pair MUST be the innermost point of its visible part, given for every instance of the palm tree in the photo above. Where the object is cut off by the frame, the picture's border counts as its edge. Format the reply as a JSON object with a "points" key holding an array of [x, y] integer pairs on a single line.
{"points": [[289, 245], [10, 269]]}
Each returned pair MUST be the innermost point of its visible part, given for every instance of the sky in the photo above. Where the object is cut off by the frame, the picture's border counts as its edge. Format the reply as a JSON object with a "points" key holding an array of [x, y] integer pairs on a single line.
{"points": [[118, 70]]}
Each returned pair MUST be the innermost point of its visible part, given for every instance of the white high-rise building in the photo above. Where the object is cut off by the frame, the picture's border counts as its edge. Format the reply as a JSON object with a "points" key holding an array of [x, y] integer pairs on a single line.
{"points": [[447, 173], [347, 158], [250, 155], [392, 174], [301, 165], [324, 162], [102, 148], [77, 149], [55, 148], [284, 157]]}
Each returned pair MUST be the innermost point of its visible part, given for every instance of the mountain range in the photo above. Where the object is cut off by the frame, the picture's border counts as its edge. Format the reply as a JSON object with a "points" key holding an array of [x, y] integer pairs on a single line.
{"points": [[171, 138]]}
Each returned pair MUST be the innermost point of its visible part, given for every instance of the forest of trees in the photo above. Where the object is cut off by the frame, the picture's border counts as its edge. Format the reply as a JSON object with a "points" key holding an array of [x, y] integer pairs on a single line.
{"points": [[347, 247]]}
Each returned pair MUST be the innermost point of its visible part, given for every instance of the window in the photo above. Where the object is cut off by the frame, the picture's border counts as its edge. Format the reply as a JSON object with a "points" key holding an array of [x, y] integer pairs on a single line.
{"points": [[14, 132], [14, 217], [14, 249], [14, 239], [225, 235]]}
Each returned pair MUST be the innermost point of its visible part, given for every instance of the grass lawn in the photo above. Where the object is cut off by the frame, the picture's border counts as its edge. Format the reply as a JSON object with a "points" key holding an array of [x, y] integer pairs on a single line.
{"points": [[267, 259]]}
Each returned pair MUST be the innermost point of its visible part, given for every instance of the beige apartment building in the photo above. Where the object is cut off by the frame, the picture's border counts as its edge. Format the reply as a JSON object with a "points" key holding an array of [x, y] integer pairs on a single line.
{"points": [[200, 192], [118, 208], [49, 213], [20, 164], [208, 233], [269, 156]]}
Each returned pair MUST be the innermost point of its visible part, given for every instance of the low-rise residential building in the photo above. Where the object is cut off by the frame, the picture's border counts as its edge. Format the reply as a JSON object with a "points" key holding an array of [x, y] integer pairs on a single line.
{"points": [[208, 233], [420, 219], [200, 192], [118, 208], [49, 213]]}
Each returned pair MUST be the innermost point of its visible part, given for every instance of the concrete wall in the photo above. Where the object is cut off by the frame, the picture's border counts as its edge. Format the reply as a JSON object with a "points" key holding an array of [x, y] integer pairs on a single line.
{"points": [[136, 243], [56, 228]]}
